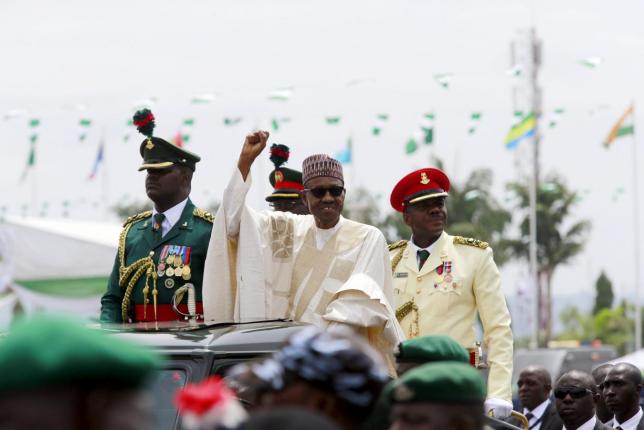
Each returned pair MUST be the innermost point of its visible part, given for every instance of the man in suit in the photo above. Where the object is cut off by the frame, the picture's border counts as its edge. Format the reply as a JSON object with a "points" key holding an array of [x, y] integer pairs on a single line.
{"points": [[442, 281], [161, 252], [575, 398], [622, 388], [601, 410], [535, 385]]}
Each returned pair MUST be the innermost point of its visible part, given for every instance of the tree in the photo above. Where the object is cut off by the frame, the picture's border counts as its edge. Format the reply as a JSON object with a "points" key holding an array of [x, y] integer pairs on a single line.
{"points": [[559, 239], [603, 293], [614, 327]]}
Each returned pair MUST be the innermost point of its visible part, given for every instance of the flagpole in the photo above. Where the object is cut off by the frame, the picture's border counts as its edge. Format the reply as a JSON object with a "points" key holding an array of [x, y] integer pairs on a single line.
{"points": [[636, 247]]}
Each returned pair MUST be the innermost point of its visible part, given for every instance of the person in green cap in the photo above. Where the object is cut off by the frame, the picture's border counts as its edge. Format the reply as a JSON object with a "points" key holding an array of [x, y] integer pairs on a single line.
{"points": [[57, 374], [422, 350], [440, 395], [287, 184], [161, 252]]}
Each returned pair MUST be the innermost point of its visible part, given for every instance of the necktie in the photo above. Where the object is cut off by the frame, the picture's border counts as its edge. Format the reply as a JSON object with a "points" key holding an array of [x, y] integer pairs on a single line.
{"points": [[423, 255], [158, 220], [529, 416]]}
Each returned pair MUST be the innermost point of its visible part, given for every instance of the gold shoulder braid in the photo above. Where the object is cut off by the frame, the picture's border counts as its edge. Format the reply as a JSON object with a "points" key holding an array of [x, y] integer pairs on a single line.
{"points": [[404, 310], [402, 245], [131, 274], [460, 240], [200, 213]]}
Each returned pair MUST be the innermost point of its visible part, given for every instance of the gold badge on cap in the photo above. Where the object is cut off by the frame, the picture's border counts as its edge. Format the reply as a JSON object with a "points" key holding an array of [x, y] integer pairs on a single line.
{"points": [[403, 393], [424, 179], [279, 176], [149, 145]]}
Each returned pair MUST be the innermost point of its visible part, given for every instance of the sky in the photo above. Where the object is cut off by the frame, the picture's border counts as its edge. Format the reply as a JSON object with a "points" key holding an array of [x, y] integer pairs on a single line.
{"points": [[355, 59]]}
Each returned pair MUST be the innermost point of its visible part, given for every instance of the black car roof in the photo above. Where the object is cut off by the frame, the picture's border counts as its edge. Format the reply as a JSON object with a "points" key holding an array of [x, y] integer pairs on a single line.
{"points": [[248, 337]]}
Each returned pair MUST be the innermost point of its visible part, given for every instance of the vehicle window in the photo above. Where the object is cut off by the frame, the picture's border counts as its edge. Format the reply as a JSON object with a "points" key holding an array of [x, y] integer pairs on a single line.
{"points": [[163, 387]]}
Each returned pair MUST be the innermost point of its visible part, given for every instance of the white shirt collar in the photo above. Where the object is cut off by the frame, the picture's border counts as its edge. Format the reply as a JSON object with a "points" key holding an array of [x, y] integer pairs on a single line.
{"points": [[172, 215], [631, 423], [415, 248], [538, 411], [588, 425]]}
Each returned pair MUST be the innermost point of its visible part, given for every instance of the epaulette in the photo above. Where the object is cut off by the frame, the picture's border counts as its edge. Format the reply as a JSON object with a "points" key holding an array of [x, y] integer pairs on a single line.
{"points": [[396, 245], [200, 213], [460, 240], [135, 218]]}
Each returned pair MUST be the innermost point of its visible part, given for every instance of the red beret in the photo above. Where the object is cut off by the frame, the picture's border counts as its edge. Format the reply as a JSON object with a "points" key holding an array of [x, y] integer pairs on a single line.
{"points": [[420, 185]]}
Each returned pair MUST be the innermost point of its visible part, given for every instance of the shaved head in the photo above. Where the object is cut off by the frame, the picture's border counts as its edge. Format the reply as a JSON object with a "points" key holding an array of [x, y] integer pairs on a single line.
{"points": [[621, 392], [577, 378], [540, 372], [600, 372], [630, 372]]}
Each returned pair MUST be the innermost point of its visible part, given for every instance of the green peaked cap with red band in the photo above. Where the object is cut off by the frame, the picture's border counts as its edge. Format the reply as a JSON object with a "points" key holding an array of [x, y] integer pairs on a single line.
{"points": [[158, 153], [287, 183]]}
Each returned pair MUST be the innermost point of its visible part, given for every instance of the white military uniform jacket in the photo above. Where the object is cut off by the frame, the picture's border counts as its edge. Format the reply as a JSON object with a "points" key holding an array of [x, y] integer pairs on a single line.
{"points": [[458, 279]]}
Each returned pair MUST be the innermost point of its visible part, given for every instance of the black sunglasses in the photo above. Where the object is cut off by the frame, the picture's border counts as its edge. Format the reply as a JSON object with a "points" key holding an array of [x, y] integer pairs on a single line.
{"points": [[320, 192], [574, 392]]}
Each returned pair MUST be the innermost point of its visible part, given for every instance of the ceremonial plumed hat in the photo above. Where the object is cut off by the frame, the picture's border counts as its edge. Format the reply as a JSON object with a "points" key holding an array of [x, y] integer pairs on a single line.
{"points": [[318, 165], [48, 351], [422, 184], [158, 153], [287, 183], [439, 382], [426, 349]]}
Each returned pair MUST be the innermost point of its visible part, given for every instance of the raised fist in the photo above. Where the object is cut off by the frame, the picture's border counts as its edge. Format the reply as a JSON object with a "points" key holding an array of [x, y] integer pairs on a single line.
{"points": [[254, 144]]}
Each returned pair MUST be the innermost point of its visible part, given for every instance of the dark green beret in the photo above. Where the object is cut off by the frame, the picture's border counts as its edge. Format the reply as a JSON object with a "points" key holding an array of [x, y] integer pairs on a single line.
{"points": [[160, 154], [439, 382], [431, 348], [48, 351], [287, 184]]}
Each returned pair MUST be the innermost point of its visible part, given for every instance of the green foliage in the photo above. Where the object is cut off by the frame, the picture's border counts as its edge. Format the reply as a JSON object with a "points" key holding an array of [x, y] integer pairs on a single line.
{"points": [[474, 212], [558, 241], [611, 326], [603, 293]]}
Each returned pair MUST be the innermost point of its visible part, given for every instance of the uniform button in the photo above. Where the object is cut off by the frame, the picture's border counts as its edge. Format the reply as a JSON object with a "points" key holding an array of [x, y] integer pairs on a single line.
{"points": [[418, 291], [418, 278]]}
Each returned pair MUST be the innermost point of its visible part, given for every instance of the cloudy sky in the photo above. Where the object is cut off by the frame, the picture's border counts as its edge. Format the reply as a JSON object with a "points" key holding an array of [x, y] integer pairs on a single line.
{"points": [[67, 60]]}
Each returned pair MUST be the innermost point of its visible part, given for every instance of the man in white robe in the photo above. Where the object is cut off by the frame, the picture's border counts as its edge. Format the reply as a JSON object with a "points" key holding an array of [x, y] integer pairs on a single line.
{"points": [[321, 268]]}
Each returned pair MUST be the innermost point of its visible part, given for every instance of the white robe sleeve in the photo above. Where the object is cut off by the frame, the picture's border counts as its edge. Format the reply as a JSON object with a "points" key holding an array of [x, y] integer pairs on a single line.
{"points": [[366, 299]]}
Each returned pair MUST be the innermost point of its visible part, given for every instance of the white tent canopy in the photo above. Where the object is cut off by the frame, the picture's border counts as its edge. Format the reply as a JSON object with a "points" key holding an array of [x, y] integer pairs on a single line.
{"points": [[635, 358], [39, 248]]}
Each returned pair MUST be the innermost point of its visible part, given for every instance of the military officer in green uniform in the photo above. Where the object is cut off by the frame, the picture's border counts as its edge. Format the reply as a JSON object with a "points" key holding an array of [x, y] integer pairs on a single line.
{"points": [[441, 282], [158, 272], [287, 184]]}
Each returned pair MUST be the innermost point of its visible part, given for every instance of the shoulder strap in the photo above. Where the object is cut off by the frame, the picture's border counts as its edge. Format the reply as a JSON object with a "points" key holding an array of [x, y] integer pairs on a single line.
{"points": [[460, 240], [207, 216]]}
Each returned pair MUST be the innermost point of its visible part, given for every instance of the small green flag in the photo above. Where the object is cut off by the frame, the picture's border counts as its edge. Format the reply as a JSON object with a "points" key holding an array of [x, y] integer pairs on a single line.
{"points": [[475, 116], [275, 124], [232, 121], [332, 120], [411, 146], [383, 116], [34, 122], [33, 138], [429, 135], [130, 122], [85, 122], [189, 121], [429, 115], [376, 131]]}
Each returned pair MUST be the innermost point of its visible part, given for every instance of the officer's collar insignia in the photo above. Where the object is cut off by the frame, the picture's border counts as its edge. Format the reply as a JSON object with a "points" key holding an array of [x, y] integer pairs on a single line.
{"points": [[423, 178]]}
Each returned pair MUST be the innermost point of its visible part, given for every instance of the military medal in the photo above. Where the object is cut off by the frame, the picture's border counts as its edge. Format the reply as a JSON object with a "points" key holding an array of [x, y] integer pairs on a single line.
{"points": [[447, 267], [169, 260], [186, 273], [169, 283], [448, 278], [169, 272]]}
